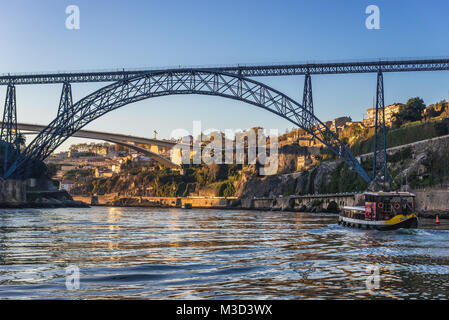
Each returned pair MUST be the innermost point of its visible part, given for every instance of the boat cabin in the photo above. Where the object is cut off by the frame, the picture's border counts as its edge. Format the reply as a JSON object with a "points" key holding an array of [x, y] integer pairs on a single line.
{"points": [[383, 206]]}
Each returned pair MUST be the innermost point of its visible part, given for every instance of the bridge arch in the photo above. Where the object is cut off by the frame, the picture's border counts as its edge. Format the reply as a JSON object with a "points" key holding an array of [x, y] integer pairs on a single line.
{"points": [[332, 206], [181, 81]]}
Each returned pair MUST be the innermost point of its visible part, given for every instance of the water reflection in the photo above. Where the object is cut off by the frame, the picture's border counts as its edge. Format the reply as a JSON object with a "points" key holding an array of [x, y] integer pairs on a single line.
{"points": [[171, 253]]}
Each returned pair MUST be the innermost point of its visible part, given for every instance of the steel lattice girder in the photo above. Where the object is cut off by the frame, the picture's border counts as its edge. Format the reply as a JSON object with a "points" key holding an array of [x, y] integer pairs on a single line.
{"points": [[9, 125], [380, 140], [191, 81], [307, 100], [245, 71], [8, 133], [66, 101]]}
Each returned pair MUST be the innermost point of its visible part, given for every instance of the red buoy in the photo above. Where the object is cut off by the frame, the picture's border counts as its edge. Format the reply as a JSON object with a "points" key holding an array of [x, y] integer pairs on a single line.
{"points": [[437, 221]]}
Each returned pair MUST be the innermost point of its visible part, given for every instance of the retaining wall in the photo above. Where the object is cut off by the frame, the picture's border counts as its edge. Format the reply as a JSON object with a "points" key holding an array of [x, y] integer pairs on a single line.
{"points": [[12, 192]]}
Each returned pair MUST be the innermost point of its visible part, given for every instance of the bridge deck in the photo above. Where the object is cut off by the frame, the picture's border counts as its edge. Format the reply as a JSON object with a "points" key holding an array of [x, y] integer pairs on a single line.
{"points": [[243, 70]]}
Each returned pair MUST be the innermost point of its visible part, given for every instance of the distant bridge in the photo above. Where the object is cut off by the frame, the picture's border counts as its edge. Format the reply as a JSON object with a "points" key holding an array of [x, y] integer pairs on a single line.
{"points": [[97, 135], [117, 139]]}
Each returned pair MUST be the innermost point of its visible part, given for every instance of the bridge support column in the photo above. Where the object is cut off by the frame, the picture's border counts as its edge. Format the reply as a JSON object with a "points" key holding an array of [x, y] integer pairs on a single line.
{"points": [[9, 134], [66, 102], [307, 101], [380, 143]]}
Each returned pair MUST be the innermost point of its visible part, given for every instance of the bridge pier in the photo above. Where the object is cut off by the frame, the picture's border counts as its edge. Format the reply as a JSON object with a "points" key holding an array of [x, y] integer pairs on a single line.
{"points": [[65, 108], [380, 143], [307, 101], [9, 132]]}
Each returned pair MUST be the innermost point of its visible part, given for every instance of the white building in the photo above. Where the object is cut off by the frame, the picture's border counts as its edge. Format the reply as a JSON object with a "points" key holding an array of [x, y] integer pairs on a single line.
{"points": [[66, 185]]}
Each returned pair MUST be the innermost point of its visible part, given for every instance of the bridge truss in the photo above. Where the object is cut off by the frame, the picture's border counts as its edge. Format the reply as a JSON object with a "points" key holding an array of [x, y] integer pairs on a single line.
{"points": [[211, 82], [230, 82]]}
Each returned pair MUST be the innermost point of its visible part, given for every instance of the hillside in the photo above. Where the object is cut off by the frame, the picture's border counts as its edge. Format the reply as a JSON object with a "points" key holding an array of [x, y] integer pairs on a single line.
{"points": [[302, 169]]}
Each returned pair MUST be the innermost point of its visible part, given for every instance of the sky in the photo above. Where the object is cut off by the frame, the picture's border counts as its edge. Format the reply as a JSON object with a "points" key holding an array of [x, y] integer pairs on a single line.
{"points": [[152, 34]]}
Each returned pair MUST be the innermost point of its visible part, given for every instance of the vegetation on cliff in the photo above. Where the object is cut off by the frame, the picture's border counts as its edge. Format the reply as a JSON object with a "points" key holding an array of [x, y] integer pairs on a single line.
{"points": [[218, 180], [405, 134]]}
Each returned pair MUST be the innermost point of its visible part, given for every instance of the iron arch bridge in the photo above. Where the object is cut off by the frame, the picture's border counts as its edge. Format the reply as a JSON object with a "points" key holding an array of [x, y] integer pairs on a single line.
{"points": [[73, 117]]}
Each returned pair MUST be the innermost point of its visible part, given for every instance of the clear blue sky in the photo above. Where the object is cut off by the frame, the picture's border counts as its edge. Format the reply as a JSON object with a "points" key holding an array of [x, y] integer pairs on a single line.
{"points": [[130, 34]]}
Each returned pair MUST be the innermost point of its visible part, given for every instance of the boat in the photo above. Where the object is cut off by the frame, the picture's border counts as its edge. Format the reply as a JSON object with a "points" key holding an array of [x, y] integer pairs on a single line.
{"points": [[382, 211]]}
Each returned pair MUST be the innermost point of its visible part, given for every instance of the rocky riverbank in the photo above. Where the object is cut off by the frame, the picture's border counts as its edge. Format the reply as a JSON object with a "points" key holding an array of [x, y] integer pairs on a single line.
{"points": [[53, 199]]}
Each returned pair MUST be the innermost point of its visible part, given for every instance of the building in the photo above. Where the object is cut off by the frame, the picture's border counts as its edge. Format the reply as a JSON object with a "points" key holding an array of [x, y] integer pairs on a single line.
{"points": [[390, 112], [60, 155], [116, 167], [81, 154], [103, 173], [339, 122], [304, 162], [66, 185]]}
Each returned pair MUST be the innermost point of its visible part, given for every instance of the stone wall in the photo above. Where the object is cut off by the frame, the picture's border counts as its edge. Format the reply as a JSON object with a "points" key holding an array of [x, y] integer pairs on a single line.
{"points": [[432, 201], [203, 202], [433, 144], [12, 192], [310, 203]]}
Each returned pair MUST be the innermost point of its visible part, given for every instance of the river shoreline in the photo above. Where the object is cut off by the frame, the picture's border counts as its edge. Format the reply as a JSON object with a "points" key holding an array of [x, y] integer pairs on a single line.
{"points": [[80, 204], [426, 215], [285, 204], [50, 205]]}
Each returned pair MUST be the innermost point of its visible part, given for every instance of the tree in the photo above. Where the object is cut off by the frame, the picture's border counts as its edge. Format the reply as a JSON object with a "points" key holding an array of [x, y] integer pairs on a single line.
{"points": [[217, 172], [412, 111], [226, 190]]}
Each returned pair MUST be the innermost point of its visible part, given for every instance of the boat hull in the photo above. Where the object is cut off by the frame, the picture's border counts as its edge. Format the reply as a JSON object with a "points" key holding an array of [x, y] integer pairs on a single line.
{"points": [[397, 222]]}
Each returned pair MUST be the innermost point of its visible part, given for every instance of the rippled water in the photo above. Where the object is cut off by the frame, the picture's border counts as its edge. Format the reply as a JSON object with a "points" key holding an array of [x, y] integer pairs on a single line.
{"points": [[192, 254]]}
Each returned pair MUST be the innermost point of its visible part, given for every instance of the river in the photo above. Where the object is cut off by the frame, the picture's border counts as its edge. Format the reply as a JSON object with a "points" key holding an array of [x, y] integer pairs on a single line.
{"points": [[220, 254]]}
